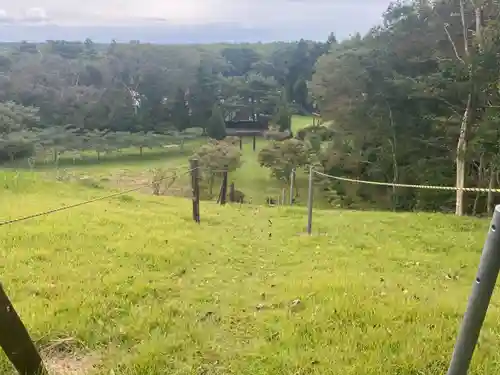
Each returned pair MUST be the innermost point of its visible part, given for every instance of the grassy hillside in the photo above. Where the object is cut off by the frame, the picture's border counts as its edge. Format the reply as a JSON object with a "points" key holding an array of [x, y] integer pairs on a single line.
{"points": [[132, 285]]}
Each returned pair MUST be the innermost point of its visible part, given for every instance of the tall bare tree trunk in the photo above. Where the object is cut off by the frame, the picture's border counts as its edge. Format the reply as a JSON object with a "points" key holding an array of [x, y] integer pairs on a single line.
{"points": [[395, 168], [461, 156], [468, 116]]}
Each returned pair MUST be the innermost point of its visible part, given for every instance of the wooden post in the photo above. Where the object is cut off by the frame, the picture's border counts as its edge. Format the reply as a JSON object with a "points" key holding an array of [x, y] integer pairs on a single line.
{"points": [[283, 196], [310, 202], [16, 342], [195, 185], [254, 142], [223, 194], [291, 186], [232, 198], [241, 143], [220, 194]]}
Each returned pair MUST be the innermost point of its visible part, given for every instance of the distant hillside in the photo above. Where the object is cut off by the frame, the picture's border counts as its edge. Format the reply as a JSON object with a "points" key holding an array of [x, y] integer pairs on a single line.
{"points": [[169, 34]]}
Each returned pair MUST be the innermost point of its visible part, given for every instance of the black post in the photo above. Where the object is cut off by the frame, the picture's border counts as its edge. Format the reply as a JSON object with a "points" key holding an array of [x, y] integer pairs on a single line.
{"points": [[231, 193], [254, 142], [223, 194], [16, 342], [195, 184], [241, 143]]}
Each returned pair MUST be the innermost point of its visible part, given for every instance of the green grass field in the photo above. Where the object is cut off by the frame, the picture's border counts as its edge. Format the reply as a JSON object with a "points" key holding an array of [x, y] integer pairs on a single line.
{"points": [[131, 285], [299, 122], [129, 169]]}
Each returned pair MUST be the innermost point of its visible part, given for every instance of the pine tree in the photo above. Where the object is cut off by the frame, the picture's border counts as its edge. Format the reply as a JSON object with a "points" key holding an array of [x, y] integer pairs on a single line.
{"points": [[216, 128], [180, 111], [283, 117]]}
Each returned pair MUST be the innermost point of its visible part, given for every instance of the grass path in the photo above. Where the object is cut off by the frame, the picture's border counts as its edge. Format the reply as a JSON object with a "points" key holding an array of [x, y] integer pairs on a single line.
{"points": [[140, 289]]}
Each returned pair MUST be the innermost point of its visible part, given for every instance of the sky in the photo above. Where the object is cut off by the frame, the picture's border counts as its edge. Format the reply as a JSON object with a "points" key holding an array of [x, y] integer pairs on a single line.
{"points": [[187, 11], [348, 15]]}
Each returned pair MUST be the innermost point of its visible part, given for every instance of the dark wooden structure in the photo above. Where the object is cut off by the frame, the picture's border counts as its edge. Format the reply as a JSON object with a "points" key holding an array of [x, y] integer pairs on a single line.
{"points": [[245, 128]]}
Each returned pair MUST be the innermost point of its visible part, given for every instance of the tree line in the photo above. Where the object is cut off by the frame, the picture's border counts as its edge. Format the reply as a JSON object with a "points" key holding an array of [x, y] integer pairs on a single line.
{"points": [[416, 101]]}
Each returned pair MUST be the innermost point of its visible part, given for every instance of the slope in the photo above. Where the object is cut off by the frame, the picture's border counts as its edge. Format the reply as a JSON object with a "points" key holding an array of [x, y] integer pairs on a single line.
{"points": [[132, 285]]}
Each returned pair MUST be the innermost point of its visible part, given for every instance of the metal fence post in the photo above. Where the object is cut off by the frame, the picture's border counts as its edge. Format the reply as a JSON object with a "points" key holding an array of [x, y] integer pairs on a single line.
{"points": [[310, 202], [479, 300]]}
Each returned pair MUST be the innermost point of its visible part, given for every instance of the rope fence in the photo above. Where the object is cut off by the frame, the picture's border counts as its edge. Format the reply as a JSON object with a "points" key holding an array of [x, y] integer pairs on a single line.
{"points": [[313, 172], [390, 184]]}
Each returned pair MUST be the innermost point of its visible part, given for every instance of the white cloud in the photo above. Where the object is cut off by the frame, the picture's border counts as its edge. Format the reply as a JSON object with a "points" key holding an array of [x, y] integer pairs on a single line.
{"points": [[35, 14], [104, 11], [4, 16]]}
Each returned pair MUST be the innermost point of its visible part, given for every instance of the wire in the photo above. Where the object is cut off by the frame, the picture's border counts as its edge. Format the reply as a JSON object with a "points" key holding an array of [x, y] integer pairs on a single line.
{"points": [[59, 209], [432, 187]]}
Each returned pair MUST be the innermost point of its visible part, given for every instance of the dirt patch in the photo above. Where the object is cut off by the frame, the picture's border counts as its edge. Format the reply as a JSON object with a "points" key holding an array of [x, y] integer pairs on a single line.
{"points": [[70, 364], [171, 186], [68, 357], [128, 180]]}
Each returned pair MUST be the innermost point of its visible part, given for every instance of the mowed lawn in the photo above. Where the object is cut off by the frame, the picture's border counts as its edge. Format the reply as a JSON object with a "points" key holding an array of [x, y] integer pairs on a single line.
{"points": [[132, 286]]}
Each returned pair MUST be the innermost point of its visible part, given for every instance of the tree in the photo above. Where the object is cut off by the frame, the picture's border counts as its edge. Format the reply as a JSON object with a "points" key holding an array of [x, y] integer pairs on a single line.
{"points": [[216, 127], [412, 101], [282, 157], [180, 111], [216, 157], [283, 116], [203, 94], [16, 136], [371, 90], [241, 59]]}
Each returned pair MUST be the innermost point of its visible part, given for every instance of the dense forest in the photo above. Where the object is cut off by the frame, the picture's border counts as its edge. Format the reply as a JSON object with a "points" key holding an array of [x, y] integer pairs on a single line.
{"points": [[142, 87], [414, 101]]}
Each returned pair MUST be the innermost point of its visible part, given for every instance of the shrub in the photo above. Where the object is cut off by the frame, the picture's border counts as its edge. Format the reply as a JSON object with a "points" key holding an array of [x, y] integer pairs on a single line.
{"points": [[282, 157], [322, 131]]}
